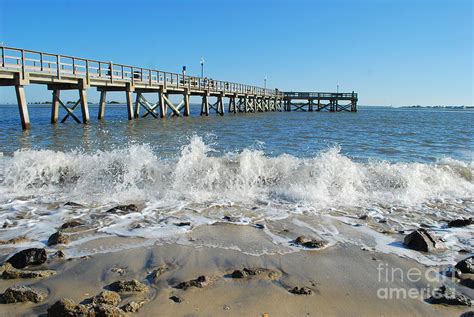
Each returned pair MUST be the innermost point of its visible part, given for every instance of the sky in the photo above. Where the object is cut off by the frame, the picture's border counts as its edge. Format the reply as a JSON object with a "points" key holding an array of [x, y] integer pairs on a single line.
{"points": [[391, 52]]}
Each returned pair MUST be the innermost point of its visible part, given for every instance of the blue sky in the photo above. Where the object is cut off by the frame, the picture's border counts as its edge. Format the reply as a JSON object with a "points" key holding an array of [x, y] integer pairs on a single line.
{"points": [[399, 52]]}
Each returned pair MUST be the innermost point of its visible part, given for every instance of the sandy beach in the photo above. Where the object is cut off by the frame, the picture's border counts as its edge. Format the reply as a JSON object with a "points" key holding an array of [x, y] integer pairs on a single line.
{"points": [[343, 279]]}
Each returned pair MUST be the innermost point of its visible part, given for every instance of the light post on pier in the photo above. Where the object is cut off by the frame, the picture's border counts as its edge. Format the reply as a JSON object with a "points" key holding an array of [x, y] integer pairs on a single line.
{"points": [[265, 82], [202, 67]]}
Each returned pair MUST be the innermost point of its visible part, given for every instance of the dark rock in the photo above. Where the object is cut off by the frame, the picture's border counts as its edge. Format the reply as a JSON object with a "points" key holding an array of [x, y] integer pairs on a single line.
{"points": [[259, 226], [239, 274], [467, 281], [33, 256], [21, 294], [156, 273], [72, 204], [176, 299], [72, 224], [105, 310], [182, 224], [132, 286], [421, 240], [60, 254], [468, 314], [107, 297], [58, 238], [310, 243], [68, 308], [466, 265], [363, 217], [131, 307], [301, 290], [200, 282], [123, 209], [9, 272], [231, 218], [460, 223], [449, 296]]}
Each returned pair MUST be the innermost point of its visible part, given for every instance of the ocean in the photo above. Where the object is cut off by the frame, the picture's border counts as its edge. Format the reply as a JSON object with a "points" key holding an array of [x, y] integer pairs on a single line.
{"points": [[401, 167]]}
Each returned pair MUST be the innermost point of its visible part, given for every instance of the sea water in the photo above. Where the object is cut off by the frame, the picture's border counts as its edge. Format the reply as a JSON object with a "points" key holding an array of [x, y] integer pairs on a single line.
{"points": [[401, 167]]}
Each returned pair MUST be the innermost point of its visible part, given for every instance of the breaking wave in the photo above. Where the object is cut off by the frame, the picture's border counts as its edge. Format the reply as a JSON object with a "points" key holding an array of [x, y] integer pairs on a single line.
{"points": [[199, 176]]}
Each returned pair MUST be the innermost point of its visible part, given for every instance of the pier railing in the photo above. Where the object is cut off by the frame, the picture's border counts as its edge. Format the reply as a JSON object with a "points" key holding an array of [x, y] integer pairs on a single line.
{"points": [[41, 63]]}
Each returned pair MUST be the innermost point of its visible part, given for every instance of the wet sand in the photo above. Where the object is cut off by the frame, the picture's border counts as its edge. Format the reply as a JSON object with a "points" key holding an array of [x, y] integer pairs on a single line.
{"points": [[343, 278]]}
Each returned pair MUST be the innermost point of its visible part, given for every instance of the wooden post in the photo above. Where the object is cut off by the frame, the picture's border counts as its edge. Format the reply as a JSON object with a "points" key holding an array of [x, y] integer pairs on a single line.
{"points": [[55, 106], [186, 103], [220, 105], [84, 105], [310, 105], [137, 104], [22, 106], [163, 108], [103, 96], [205, 104], [128, 94]]}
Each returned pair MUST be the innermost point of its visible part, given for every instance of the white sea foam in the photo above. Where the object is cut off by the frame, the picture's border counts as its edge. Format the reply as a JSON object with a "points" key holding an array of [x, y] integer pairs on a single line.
{"points": [[202, 185]]}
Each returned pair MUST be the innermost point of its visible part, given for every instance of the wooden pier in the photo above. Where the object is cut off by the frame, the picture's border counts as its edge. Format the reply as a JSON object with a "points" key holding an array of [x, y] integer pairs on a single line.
{"points": [[320, 101], [21, 67]]}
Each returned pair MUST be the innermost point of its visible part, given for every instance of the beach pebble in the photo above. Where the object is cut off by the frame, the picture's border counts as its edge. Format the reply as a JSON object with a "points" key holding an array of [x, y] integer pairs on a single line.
{"points": [[107, 297], [467, 281], [421, 240], [20, 294], [67, 307], [131, 307], [32, 256], [72, 204], [310, 243], [301, 290], [176, 299], [466, 265], [123, 209], [200, 282], [72, 224], [58, 238], [131, 286]]}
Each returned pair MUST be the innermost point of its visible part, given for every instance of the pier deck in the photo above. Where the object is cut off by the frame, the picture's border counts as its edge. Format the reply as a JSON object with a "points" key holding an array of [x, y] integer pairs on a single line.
{"points": [[20, 67]]}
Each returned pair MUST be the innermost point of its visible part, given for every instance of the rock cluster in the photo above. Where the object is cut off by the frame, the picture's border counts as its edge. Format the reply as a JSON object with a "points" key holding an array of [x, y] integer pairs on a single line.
{"points": [[9, 272], [449, 296]]}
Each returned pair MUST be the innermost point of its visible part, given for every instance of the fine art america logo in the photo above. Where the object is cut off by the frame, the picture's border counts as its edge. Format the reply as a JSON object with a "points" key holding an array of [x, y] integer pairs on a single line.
{"points": [[397, 282]]}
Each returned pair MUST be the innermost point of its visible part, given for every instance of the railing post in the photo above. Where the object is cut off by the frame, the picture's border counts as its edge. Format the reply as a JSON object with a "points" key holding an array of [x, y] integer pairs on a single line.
{"points": [[87, 71], [149, 76], [41, 61], [111, 68], [73, 66], [3, 56], [23, 63], [122, 71], [58, 66]]}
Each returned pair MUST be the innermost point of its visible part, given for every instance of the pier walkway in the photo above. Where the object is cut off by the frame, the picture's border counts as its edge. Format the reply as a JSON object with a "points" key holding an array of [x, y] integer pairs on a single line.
{"points": [[21, 67]]}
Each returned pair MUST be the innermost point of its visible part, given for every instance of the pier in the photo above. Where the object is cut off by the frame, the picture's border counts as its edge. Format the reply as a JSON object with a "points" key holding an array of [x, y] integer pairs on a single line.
{"points": [[21, 67]]}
